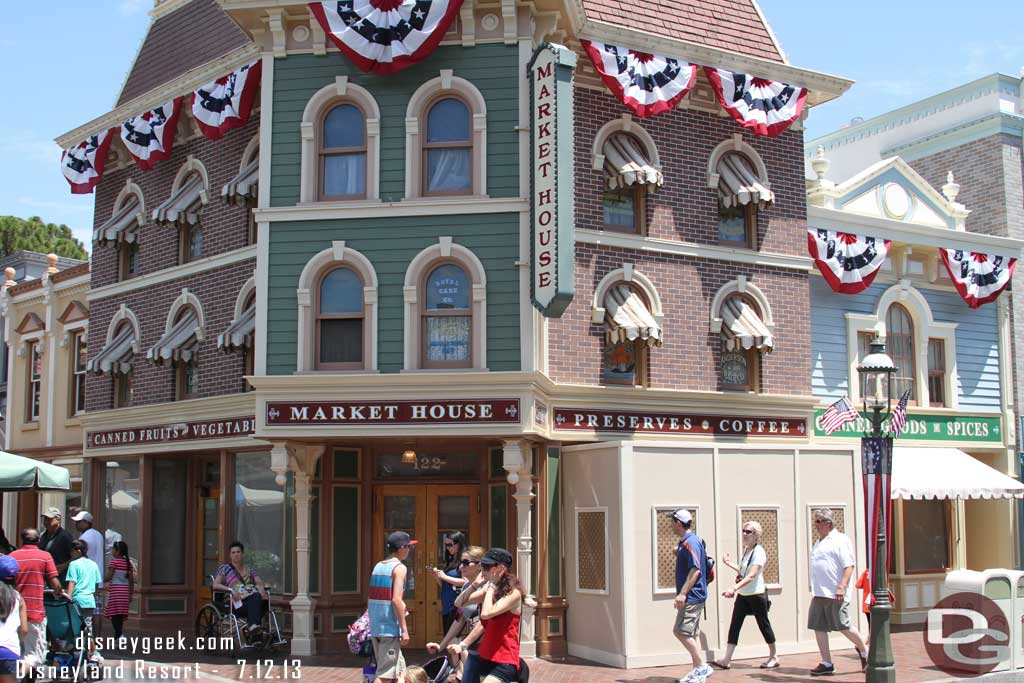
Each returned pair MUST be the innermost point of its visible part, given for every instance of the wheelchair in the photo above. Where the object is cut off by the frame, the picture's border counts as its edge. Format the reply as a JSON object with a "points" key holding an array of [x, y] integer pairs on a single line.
{"points": [[217, 623]]}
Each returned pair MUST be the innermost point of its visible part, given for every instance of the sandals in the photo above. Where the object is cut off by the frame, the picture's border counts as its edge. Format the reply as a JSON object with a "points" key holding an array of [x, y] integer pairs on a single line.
{"points": [[715, 663], [770, 663]]}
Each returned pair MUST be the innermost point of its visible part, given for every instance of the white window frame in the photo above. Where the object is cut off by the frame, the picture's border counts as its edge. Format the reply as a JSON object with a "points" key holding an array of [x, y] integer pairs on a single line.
{"points": [[623, 124], [78, 330], [740, 286], [607, 566], [627, 273]]}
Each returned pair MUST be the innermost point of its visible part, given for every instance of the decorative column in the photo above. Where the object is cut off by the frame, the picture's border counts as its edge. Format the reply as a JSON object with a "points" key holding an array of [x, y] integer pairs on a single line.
{"points": [[517, 460], [301, 459]]}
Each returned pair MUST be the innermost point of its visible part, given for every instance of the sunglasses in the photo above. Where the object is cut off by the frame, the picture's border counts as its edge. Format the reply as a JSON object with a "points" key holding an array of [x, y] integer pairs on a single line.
{"points": [[449, 544], [466, 563], [748, 531]]}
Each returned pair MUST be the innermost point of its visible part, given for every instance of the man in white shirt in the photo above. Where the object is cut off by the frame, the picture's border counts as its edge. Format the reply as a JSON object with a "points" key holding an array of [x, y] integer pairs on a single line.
{"points": [[831, 570], [96, 546]]}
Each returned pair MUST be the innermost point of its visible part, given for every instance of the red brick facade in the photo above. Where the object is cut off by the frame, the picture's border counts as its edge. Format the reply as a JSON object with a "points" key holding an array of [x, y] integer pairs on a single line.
{"points": [[685, 209]]}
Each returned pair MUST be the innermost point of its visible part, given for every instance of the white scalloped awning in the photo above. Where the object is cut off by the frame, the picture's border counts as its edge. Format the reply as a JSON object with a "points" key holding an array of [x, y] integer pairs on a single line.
{"points": [[180, 341], [738, 184], [627, 319], [241, 189], [626, 164], [939, 473], [743, 328], [123, 226], [239, 333], [184, 204], [115, 357]]}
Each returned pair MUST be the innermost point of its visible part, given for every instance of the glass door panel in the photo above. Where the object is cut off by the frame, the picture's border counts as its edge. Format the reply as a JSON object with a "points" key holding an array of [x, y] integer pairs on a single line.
{"points": [[450, 508], [403, 508]]}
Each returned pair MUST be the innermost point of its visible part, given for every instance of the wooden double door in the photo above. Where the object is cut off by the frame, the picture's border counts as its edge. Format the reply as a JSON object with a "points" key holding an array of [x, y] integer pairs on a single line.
{"points": [[427, 512]]}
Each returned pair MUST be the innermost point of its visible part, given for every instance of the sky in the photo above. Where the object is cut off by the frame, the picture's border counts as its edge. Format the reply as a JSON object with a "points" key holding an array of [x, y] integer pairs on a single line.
{"points": [[56, 79]]}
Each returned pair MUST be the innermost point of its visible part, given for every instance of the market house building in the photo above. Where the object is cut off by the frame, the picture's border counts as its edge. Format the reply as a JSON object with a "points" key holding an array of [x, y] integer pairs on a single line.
{"points": [[47, 329], [953, 361]]}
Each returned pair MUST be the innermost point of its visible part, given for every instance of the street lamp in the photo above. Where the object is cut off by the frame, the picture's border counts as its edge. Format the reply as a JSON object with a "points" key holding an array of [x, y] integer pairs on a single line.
{"points": [[877, 369]]}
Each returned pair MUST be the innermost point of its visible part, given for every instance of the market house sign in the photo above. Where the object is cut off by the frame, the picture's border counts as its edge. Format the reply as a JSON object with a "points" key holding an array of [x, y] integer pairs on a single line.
{"points": [[585, 420], [927, 428], [358, 413], [172, 433], [550, 73]]}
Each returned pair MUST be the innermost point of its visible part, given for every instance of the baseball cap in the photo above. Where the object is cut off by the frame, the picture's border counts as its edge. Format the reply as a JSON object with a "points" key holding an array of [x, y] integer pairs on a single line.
{"points": [[8, 567], [82, 516], [683, 516], [400, 539], [496, 556], [50, 513]]}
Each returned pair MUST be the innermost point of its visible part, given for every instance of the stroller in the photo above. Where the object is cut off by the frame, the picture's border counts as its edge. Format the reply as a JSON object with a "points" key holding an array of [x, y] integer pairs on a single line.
{"points": [[441, 669], [64, 629]]}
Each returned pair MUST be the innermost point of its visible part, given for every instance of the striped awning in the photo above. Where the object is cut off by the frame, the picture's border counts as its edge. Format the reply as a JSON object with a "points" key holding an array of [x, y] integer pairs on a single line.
{"points": [[627, 319], [115, 357], [180, 342], [184, 204], [738, 184], [743, 328], [241, 189], [626, 164], [239, 333], [123, 226]]}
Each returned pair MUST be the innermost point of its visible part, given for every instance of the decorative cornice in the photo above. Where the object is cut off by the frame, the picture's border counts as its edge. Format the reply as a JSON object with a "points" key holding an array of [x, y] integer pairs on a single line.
{"points": [[976, 129]]}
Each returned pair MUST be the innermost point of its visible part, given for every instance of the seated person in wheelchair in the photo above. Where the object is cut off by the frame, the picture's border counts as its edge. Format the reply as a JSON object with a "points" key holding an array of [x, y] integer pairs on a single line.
{"points": [[248, 592]]}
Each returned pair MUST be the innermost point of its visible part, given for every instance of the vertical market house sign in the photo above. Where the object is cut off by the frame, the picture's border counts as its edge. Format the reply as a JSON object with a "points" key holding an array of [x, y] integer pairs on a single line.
{"points": [[551, 99], [977, 429]]}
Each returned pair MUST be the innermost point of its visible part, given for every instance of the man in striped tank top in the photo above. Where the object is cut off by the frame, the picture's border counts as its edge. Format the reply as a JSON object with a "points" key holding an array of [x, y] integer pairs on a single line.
{"points": [[388, 629]]}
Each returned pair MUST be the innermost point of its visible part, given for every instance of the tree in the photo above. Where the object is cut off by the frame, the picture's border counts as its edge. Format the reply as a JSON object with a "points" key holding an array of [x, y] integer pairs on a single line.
{"points": [[19, 234]]}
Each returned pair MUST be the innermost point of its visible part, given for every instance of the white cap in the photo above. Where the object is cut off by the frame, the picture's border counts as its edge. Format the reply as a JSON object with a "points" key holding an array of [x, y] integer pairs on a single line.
{"points": [[83, 515], [683, 516]]}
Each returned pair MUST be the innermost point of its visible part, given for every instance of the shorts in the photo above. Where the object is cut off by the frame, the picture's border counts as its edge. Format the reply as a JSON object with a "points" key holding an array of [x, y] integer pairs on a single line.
{"points": [[33, 648], [826, 614], [8, 667], [507, 673], [688, 619], [388, 653]]}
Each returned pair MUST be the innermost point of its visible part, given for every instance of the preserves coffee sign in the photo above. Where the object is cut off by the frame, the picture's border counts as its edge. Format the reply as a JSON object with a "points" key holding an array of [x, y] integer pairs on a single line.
{"points": [[550, 72], [586, 420], [223, 428], [358, 413]]}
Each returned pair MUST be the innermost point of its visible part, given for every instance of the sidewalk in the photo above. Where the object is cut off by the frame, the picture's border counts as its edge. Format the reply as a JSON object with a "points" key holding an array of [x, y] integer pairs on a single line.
{"points": [[913, 666]]}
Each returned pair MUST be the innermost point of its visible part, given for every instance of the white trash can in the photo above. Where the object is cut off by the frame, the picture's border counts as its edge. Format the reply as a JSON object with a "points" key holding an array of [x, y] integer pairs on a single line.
{"points": [[1001, 588]]}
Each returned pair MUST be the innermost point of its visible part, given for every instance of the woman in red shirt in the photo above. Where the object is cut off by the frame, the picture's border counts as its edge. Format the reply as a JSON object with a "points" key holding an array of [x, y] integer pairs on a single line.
{"points": [[500, 614]]}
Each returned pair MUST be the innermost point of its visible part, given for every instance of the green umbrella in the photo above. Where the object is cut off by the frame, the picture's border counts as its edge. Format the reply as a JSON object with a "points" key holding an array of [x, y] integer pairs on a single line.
{"points": [[18, 473]]}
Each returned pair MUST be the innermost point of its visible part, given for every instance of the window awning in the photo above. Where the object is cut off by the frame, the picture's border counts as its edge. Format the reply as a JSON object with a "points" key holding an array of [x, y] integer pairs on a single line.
{"points": [[184, 204], [743, 328], [115, 357], [239, 333], [179, 343], [626, 164], [939, 473], [241, 189], [123, 226], [627, 319], [738, 184]]}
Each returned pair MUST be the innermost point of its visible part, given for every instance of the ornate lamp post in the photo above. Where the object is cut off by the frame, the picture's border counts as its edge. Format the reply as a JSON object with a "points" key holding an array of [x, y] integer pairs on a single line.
{"points": [[877, 369]]}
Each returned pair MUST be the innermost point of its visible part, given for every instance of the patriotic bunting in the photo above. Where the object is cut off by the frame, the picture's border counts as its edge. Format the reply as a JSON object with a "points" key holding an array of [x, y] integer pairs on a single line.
{"points": [[83, 164], [226, 103], [876, 464], [150, 136], [647, 84], [765, 107], [385, 36], [979, 278], [849, 262]]}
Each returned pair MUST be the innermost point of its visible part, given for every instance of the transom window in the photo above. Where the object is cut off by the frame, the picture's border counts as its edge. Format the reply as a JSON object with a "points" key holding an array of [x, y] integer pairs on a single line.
{"points": [[448, 148], [340, 320], [343, 153], [79, 361], [447, 318], [899, 328]]}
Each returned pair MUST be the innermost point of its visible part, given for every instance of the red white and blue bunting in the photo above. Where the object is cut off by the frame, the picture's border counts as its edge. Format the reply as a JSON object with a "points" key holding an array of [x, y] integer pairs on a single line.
{"points": [[385, 36], [227, 102], [83, 164], [647, 84], [848, 262], [149, 137], [765, 107], [979, 278]]}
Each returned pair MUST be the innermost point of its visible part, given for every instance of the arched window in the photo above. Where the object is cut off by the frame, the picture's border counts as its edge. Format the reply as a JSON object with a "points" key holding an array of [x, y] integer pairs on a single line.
{"points": [[630, 331], [899, 330], [195, 242], [340, 320], [186, 375], [448, 148], [740, 178], [343, 147], [447, 318], [249, 358], [122, 381], [740, 365]]}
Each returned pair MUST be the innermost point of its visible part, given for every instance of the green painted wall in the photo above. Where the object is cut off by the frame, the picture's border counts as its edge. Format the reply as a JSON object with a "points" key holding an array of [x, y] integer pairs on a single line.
{"points": [[390, 244], [493, 69]]}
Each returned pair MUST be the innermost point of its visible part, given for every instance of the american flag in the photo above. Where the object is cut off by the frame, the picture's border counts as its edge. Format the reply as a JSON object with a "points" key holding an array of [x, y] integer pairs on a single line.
{"points": [[899, 416], [836, 415]]}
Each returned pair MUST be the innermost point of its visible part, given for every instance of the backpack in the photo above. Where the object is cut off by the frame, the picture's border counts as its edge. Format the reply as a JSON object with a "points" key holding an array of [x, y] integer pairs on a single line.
{"points": [[359, 636], [709, 563]]}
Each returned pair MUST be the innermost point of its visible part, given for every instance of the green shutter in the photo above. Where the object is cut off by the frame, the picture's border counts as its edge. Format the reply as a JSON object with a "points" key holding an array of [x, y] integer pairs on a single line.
{"points": [[345, 544]]}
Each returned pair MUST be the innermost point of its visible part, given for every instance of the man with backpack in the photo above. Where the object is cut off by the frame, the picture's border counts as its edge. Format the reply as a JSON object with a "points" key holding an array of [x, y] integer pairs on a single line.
{"points": [[693, 572]]}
